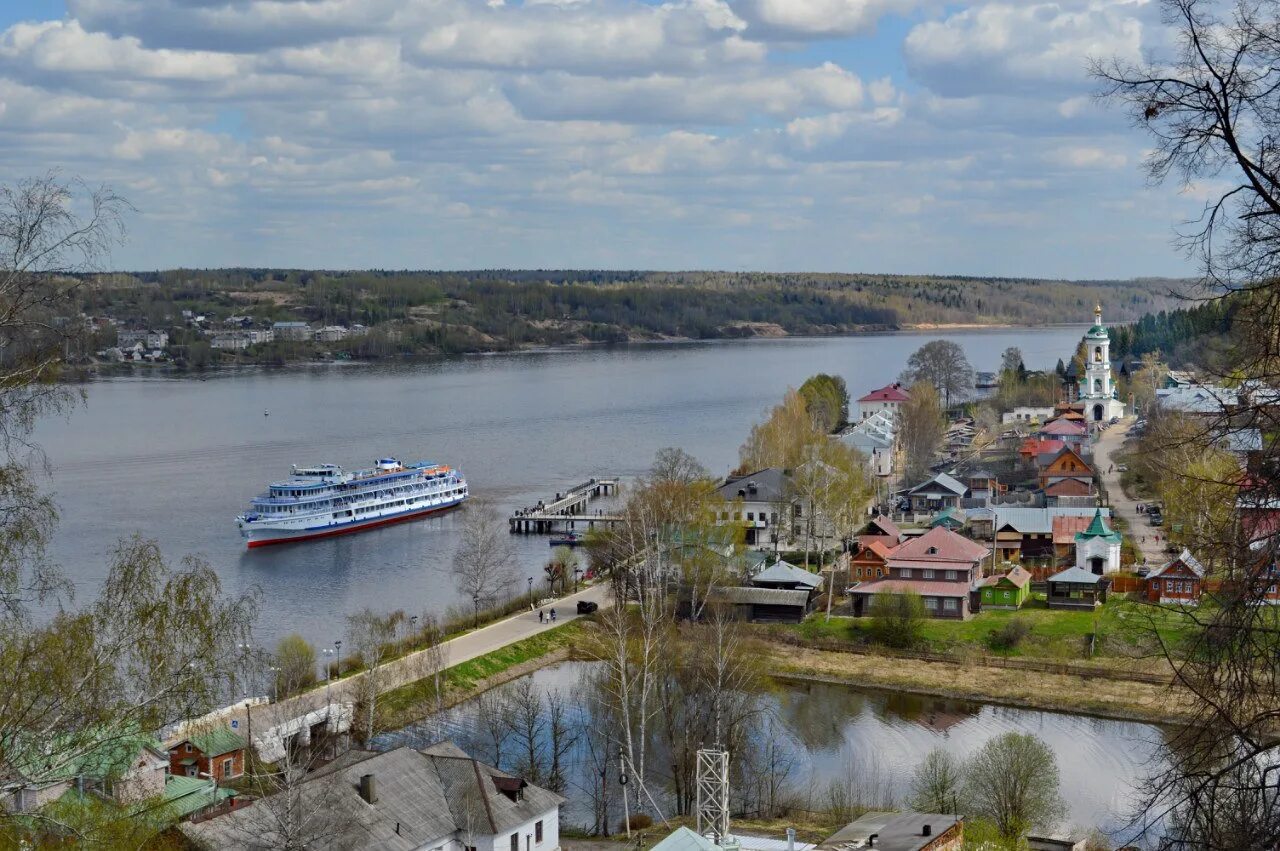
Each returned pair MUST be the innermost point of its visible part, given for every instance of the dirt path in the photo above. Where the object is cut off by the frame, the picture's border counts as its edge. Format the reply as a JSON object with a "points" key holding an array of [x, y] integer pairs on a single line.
{"points": [[1142, 533]]}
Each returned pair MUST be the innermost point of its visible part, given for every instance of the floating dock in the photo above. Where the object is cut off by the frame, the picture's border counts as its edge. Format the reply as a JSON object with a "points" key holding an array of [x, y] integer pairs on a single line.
{"points": [[568, 511]]}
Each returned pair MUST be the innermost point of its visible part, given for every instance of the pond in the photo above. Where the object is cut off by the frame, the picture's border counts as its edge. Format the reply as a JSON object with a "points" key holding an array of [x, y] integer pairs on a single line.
{"points": [[866, 738]]}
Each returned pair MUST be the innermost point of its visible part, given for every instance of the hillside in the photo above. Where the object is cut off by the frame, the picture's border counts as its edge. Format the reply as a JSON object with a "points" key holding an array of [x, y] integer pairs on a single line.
{"points": [[410, 312]]}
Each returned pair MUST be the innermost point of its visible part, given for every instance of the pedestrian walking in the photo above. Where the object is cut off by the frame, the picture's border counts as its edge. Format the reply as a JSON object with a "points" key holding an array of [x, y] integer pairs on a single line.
{"points": [[539, 615], [553, 615]]}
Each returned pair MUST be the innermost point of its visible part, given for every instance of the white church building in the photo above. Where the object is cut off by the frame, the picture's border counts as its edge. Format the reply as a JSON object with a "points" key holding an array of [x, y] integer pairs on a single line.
{"points": [[1098, 547], [1097, 388]]}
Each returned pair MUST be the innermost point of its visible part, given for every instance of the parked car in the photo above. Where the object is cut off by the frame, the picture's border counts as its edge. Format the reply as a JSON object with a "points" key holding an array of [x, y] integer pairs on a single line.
{"points": [[1122, 468], [586, 607], [1115, 420], [1157, 520], [1143, 570]]}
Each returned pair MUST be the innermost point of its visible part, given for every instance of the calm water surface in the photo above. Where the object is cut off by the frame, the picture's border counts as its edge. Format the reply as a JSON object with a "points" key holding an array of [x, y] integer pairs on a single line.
{"points": [[177, 459], [837, 732]]}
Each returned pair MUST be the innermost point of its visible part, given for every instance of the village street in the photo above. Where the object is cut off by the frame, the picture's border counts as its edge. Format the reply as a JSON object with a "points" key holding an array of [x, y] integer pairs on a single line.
{"points": [[411, 667], [1142, 533]]}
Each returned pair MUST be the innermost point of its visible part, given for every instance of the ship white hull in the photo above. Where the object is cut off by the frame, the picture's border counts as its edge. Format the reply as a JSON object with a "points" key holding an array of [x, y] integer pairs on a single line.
{"points": [[262, 533]]}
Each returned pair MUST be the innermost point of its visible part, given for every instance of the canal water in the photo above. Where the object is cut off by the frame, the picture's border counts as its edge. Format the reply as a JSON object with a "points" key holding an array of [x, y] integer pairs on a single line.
{"points": [[874, 739], [176, 459]]}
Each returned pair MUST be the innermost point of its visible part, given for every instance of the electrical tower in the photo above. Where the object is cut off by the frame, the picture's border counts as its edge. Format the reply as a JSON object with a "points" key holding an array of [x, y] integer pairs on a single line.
{"points": [[713, 793]]}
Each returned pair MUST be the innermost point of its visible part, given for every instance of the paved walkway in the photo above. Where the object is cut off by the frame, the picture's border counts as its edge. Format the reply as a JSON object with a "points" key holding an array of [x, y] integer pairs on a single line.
{"points": [[415, 666], [1121, 505]]}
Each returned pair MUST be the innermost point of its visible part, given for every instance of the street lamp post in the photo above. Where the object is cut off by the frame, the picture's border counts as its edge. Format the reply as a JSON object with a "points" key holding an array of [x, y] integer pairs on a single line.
{"points": [[413, 631], [577, 572], [337, 651], [530, 593], [275, 683], [475, 601]]}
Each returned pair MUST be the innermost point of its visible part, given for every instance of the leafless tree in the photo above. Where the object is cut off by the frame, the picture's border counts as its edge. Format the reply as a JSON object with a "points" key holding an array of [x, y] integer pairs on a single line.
{"points": [[484, 564], [528, 730], [943, 364], [1212, 109], [294, 810], [372, 637], [495, 719], [561, 739]]}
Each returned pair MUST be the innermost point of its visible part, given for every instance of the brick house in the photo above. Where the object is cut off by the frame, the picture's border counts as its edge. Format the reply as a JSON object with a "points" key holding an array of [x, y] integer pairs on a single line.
{"points": [[1178, 581], [217, 753]]}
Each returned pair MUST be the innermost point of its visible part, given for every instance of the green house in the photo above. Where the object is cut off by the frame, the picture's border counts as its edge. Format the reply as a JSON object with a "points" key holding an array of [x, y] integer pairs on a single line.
{"points": [[1006, 591]]}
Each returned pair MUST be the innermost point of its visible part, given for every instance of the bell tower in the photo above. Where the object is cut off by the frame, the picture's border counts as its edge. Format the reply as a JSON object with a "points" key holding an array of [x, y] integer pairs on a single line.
{"points": [[1097, 388]]}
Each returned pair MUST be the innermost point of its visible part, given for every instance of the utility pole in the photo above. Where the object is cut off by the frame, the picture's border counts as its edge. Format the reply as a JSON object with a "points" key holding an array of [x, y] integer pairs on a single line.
{"points": [[713, 793]]}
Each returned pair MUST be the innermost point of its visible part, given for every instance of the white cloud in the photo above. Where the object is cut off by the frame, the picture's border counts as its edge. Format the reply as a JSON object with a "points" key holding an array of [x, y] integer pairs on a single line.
{"points": [[1026, 46], [821, 18], [1087, 157]]}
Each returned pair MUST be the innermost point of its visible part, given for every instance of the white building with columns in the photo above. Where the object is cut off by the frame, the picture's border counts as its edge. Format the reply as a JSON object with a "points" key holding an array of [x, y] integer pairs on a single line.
{"points": [[1097, 387]]}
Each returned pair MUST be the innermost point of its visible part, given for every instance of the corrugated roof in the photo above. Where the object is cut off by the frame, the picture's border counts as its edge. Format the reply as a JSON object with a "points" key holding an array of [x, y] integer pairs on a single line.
{"points": [[684, 839], [739, 595], [1032, 521], [889, 393], [1185, 558], [216, 741], [769, 484], [945, 482], [1078, 575]]}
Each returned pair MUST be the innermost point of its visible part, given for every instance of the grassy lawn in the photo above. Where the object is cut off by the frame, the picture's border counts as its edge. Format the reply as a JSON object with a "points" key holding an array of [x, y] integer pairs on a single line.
{"points": [[1055, 633], [409, 700]]}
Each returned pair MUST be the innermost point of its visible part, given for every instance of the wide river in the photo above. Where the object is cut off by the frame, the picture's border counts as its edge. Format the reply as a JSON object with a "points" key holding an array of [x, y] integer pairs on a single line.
{"points": [[176, 459]]}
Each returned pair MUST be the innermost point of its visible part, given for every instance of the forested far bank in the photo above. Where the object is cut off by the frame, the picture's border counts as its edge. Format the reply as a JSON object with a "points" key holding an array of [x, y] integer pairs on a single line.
{"points": [[377, 314]]}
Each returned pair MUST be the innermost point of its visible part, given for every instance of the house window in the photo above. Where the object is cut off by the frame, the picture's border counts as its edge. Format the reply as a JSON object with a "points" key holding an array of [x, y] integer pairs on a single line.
{"points": [[751, 515], [187, 748], [537, 833], [515, 842], [931, 603], [905, 572], [928, 574], [933, 551], [949, 604], [229, 767], [1155, 584], [951, 576]]}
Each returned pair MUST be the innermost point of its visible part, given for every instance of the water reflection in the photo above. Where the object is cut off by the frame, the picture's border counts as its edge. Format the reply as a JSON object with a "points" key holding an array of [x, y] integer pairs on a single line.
{"points": [[876, 738]]}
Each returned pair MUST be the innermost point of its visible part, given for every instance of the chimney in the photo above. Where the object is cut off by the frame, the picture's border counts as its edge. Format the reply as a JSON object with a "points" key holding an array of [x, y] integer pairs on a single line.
{"points": [[368, 790], [928, 829]]}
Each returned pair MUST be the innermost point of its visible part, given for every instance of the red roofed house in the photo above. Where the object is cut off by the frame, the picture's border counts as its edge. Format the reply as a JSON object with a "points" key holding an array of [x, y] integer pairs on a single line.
{"points": [[1065, 529], [1072, 433], [1039, 450], [1179, 581], [940, 566], [888, 398], [871, 559]]}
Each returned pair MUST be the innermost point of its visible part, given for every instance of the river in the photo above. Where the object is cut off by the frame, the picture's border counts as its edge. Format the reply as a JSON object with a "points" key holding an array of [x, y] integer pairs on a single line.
{"points": [[872, 740], [176, 459]]}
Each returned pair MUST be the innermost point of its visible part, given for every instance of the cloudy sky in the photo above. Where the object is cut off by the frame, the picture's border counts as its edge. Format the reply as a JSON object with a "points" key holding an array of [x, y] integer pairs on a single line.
{"points": [[830, 135]]}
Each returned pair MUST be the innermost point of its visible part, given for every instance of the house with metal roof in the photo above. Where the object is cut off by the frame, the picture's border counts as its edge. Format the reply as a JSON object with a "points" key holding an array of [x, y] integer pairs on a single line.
{"points": [[217, 752], [400, 800], [933, 495], [1007, 590], [781, 574], [1077, 588], [909, 831], [760, 502], [889, 399], [1179, 581], [940, 566], [749, 603]]}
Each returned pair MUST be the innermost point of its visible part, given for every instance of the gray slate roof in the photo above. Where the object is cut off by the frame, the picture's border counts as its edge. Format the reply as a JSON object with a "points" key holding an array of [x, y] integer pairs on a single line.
{"points": [[428, 795], [740, 596], [770, 485], [1077, 575], [781, 572], [684, 839], [943, 482]]}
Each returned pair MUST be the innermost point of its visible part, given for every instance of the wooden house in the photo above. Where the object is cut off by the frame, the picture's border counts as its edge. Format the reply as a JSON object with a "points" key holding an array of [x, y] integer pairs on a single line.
{"points": [[1178, 581], [1006, 591], [1077, 588], [217, 753], [941, 491], [882, 529], [1067, 474], [870, 560], [1069, 432], [1038, 451], [762, 605]]}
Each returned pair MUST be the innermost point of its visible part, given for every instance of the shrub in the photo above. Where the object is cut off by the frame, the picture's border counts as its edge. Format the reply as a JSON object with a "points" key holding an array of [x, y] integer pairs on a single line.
{"points": [[639, 821], [1009, 634], [897, 620]]}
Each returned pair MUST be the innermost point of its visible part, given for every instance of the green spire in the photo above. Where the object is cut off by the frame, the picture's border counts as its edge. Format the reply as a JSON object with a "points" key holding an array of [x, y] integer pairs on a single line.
{"points": [[1097, 529]]}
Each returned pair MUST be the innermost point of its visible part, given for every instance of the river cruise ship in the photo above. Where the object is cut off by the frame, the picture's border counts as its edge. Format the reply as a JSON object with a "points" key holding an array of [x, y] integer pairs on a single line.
{"points": [[320, 501]]}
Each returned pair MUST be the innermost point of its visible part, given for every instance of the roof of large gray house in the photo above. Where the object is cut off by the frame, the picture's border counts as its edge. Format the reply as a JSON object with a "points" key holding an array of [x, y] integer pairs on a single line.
{"points": [[1032, 521], [767, 485], [781, 572], [421, 797], [944, 482], [894, 831], [1196, 399]]}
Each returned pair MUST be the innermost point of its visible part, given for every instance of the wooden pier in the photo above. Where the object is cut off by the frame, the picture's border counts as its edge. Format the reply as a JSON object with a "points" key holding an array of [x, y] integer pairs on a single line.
{"points": [[568, 510]]}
